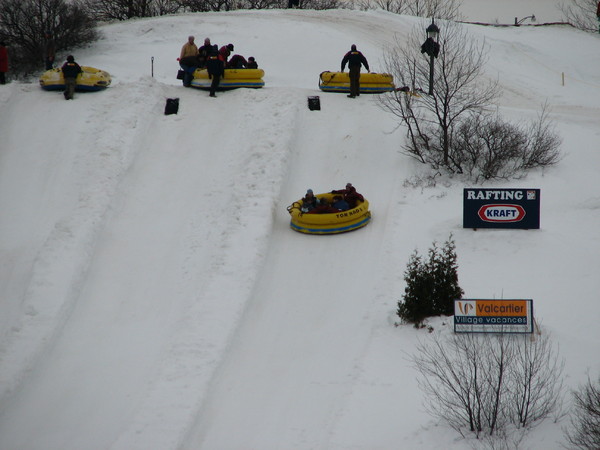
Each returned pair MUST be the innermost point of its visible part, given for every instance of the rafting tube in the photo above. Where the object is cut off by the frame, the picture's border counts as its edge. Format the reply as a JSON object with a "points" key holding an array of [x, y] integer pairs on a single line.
{"points": [[370, 83], [330, 223], [233, 78], [91, 79]]}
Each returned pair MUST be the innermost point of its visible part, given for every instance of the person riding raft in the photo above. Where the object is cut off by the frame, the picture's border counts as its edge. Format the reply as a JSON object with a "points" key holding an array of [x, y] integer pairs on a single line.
{"points": [[350, 195]]}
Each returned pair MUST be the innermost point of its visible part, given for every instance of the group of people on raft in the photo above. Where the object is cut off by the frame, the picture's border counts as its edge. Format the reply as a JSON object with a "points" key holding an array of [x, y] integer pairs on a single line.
{"points": [[344, 200], [212, 58]]}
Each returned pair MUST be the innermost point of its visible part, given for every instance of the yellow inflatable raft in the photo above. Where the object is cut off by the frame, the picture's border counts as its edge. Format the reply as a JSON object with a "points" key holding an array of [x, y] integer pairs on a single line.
{"points": [[233, 78], [370, 83], [331, 223], [91, 79]]}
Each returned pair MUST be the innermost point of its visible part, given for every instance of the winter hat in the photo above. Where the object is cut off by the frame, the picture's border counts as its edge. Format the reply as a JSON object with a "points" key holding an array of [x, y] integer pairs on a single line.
{"points": [[251, 58], [70, 58], [353, 48], [309, 191], [230, 47]]}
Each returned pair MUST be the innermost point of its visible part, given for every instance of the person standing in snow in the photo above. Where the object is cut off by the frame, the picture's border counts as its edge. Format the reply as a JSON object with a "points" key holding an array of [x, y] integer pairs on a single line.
{"points": [[50, 51], [3, 62], [355, 60], [188, 60], [70, 71], [203, 53], [216, 69]]}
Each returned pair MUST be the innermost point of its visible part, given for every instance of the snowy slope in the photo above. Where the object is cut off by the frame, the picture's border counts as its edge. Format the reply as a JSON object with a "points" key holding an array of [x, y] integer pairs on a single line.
{"points": [[153, 295]]}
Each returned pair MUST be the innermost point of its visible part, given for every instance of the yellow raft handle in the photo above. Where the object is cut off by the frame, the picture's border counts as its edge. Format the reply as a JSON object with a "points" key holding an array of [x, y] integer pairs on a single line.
{"points": [[325, 83], [295, 205]]}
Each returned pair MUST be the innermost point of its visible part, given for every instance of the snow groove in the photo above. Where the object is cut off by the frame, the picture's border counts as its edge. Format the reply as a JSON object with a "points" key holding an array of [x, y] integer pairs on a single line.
{"points": [[185, 375], [60, 266]]}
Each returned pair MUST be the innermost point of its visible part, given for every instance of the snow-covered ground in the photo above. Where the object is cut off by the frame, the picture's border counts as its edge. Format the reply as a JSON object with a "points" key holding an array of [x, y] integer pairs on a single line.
{"points": [[152, 295]]}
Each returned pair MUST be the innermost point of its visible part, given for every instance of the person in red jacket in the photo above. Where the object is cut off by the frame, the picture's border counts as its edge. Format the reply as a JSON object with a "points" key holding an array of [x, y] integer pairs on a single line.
{"points": [[3, 62], [350, 195], [224, 53]]}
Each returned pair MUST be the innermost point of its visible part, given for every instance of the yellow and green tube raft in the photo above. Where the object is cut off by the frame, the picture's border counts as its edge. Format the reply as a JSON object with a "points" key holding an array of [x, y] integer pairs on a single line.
{"points": [[232, 79], [90, 79], [329, 223], [370, 83]]}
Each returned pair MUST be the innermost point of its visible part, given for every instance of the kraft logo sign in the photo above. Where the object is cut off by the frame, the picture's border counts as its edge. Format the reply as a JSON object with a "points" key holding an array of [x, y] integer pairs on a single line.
{"points": [[501, 208], [501, 213]]}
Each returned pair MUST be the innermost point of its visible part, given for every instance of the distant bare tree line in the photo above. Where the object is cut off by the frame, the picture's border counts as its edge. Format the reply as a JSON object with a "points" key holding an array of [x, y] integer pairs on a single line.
{"points": [[72, 23], [440, 9]]}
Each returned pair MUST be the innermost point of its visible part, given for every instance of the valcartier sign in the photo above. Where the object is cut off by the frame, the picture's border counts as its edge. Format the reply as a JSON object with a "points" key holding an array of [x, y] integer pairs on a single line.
{"points": [[493, 316], [501, 208]]}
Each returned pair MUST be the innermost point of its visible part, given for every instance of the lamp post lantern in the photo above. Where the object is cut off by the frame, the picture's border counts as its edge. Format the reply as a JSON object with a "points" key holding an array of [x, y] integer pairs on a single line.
{"points": [[432, 48], [519, 22]]}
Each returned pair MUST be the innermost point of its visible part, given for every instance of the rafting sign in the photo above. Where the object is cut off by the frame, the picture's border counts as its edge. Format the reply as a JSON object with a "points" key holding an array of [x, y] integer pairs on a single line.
{"points": [[493, 316], [501, 208]]}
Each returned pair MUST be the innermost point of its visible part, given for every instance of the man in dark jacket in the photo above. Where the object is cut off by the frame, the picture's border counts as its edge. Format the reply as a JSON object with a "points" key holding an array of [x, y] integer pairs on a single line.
{"points": [[204, 52], [70, 71], [354, 59], [216, 69]]}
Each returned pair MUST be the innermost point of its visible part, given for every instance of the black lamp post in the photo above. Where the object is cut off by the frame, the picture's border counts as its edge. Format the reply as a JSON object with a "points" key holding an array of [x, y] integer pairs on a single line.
{"points": [[432, 48], [519, 22]]}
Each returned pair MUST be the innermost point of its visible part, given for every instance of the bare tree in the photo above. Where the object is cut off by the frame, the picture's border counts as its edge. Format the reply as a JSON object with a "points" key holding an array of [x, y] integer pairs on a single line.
{"points": [[460, 90], [127, 9], [487, 147], [259, 4], [455, 127], [207, 5], [23, 24], [584, 433], [581, 13], [535, 374], [440, 9], [490, 385]]}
